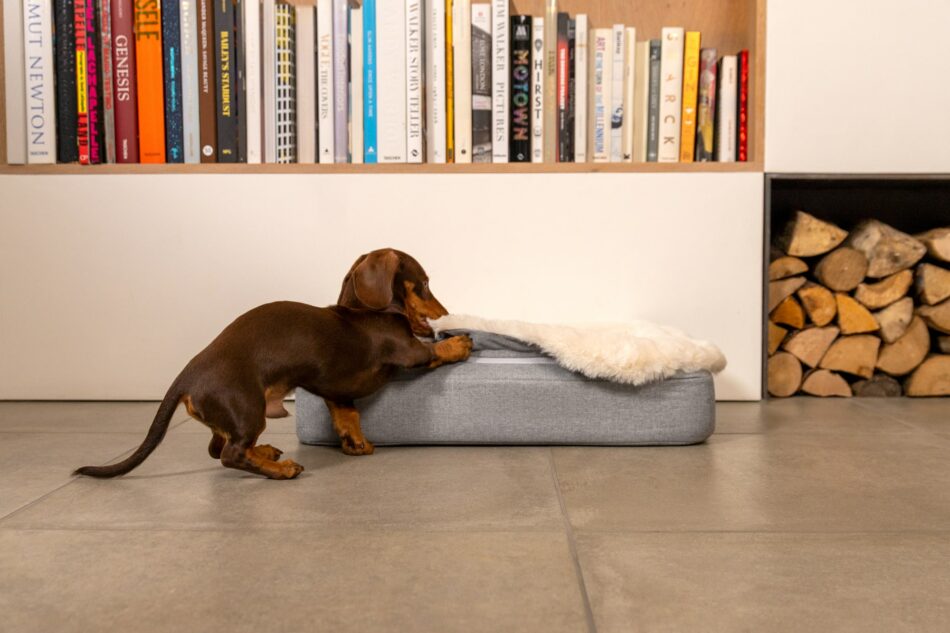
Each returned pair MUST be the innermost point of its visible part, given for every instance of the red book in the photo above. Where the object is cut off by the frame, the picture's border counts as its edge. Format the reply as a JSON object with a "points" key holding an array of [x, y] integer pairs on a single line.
{"points": [[82, 97], [151, 82], [743, 145], [123, 80]]}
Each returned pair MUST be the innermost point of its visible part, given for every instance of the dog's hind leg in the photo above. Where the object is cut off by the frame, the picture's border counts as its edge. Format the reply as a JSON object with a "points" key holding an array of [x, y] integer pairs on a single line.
{"points": [[346, 423], [242, 423], [217, 444]]}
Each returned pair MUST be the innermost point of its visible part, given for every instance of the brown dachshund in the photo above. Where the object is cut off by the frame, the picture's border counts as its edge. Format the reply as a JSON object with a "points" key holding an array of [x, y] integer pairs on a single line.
{"points": [[340, 353]]}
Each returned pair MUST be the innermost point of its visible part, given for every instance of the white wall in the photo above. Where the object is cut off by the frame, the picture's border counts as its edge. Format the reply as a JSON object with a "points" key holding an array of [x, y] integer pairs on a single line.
{"points": [[109, 284]]}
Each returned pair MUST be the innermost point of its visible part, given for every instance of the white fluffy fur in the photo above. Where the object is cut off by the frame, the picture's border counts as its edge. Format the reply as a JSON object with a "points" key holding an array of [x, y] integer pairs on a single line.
{"points": [[636, 352]]}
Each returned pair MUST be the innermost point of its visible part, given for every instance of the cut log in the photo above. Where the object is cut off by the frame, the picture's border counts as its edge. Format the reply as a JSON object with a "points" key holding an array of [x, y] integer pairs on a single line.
{"points": [[854, 355], [879, 386], [826, 383], [854, 318], [810, 346], [776, 336], [790, 313], [785, 375], [819, 303], [887, 249], [937, 242], [943, 344], [937, 317], [786, 267], [933, 283], [778, 290], [807, 236], [886, 291], [894, 319], [932, 378], [904, 355], [842, 269]]}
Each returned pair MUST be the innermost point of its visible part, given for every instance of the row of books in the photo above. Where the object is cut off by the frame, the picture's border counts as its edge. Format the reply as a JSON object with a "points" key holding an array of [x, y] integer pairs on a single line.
{"points": [[398, 81]]}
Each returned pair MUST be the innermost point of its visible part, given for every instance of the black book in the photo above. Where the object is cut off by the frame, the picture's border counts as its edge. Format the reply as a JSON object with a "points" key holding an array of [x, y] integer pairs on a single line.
{"points": [[226, 75], [563, 80], [519, 145], [67, 140], [241, 84], [571, 90]]}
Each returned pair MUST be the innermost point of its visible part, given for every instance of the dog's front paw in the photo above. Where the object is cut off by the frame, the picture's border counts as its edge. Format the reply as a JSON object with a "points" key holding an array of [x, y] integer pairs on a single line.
{"points": [[354, 447], [458, 348]]}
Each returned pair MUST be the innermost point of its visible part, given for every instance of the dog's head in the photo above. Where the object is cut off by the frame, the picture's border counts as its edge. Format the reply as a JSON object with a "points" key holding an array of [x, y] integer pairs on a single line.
{"points": [[393, 281]]}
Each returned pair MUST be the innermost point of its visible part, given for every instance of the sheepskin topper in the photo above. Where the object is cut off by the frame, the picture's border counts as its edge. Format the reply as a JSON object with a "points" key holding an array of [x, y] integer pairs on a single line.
{"points": [[635, 352]]}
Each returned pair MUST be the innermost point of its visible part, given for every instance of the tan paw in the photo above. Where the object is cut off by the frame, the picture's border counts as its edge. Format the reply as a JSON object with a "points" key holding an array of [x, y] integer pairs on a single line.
{"points": [[268, 452], [351, 447], [288, 469]]}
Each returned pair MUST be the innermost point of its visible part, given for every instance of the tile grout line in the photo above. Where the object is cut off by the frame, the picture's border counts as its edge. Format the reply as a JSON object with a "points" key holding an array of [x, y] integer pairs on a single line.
{"points": [[572, 546]]}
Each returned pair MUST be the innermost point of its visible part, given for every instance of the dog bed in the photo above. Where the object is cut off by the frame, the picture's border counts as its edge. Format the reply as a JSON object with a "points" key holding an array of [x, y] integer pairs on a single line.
{"points": [[511, 392]]}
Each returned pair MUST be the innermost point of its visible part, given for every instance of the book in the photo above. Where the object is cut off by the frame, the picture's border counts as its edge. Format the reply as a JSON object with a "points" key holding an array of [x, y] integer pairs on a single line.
{"points": [[449, 83], [306, 84], [601, 84], [726, 110], [94, 86], [690, 95], [171, 44], [356, 84], [415, 82], [191, 139], [67, 145], [148, 64], [240, 93], [742, 144], [341, 74], [537, 90], [519, 150], [481, 84], [225, 79], [38, 67], [250, 114], [501, 79], [653, 111], [269, 81], [671, 94], [285, 41], [641, 102], [617, 54], [550, 81], [207, 82], [391, 82], [435, 82], [326, 93], [108, 85], [563, 91], [14, 77], [571, 90], [706, 105], [629, 92], [370, 153], [82, 95], [580, 102], [462, 67], [123, 70]]}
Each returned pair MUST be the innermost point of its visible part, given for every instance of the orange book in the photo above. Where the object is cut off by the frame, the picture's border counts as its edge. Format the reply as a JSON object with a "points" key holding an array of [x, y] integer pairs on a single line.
{"points": [[449, 86], [690, 91], [150, 82]]}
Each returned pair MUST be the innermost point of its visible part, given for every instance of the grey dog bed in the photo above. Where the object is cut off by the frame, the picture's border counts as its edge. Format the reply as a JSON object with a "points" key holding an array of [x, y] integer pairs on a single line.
{"points": [[508, 392]]}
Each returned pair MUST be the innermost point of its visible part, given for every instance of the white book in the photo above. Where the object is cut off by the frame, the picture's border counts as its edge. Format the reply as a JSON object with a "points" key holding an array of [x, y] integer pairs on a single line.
{"points": [[415, 82], [671, 94], [356, 85], [391, 80], [726, 110], [269, 79], [14, 81], [38, 68], [617, 48], [629, 92], [641, 102], [306, 85], [189, 82], [435, 82], [537, 90], [251, 20], [324, 27], [600, 79], [462, 64], [501, 79], [581, 40]]}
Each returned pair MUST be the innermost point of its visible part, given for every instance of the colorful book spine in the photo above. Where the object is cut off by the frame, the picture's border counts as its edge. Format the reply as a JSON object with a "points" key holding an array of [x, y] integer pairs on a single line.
{"points": [[550, 81], [148, 64], [462, 65], [306, 88], [207, 83], [617, 114], [653, 123], [520, 147], [580, 100], [563, 91], [629, 91], [250, 36], [108, 79], [726, 110], [370, 153], [742, 145], [501, 79], [123, 70], [325, 82], [286, 84], [671, 94], [14, 78], [67, 146], [38, 68], [690, 95], [391, 132], [225, 79], [481, 84], [356, 85], [601, 69], [706, 106], [571, 88], [415, 82], [171, 43], [435, 82], [537, 90], [82, 93], [269, 82], [341, 77], [94, 85], [641, 107], [449, 83]]}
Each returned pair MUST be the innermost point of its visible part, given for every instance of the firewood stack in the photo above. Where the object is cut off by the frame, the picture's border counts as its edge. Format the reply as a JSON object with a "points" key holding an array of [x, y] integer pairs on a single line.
{"points": [[865, 313]]}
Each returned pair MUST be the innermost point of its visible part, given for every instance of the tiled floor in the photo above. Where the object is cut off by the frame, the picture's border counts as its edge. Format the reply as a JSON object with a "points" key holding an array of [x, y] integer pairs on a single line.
{"points": [[798, 515]]}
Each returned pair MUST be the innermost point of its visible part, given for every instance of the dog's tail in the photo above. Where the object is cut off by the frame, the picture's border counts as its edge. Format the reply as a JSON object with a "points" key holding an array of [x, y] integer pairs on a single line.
{"points": [[156, 433]]}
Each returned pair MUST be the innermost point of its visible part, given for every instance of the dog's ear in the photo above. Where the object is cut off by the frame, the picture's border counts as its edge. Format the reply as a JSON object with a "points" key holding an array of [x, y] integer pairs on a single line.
{"points": [[373, 279]]}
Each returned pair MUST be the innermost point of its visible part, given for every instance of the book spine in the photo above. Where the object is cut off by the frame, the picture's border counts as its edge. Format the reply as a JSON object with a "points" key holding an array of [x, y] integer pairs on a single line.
{"points": [[629, 92], [690, 94], [370, 136], [563, 76], [108, 79], [341, 75], [148, 64], [94, 85], [392, 134], [435, 82], [14, 77], [706, 106], [38, 68], [653, 123], [269, 81], [123, 70], [520, 145], [742, 145], [82, 93], [449, 83], [415, 82], [224, 52], [189, 81], [306, 88], [537, 90], [325, 80], [286, 84], [571, 89], [462, 64], [356, 85], [171, 43], [239, 94], [251, 114], [207, 83], [641, 107], [67, 147], [580, 101], [501, 54], [600, 100], [671, 94], [481, 84], [550, 81], [726, 107], [617, 50]]}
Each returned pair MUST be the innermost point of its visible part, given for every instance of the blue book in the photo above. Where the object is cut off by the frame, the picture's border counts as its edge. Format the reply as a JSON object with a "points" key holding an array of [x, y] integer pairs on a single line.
{"points": [[171, 45], [370, 148]]}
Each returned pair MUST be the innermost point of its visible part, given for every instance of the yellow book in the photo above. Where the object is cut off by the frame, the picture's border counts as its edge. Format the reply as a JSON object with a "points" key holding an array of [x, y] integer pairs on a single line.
{"points": [[449, 87], [690, 90]]}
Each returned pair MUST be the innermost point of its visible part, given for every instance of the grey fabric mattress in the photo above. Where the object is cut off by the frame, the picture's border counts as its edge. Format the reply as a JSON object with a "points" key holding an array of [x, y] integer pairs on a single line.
{"points": [[510, 393]]}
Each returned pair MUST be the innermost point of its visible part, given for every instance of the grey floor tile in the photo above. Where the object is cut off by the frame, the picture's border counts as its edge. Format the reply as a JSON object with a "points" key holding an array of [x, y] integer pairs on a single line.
{"points": [[78, 417], [806, 415], [930, 414], [762, 482], [297, 580], [767, 582]]}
